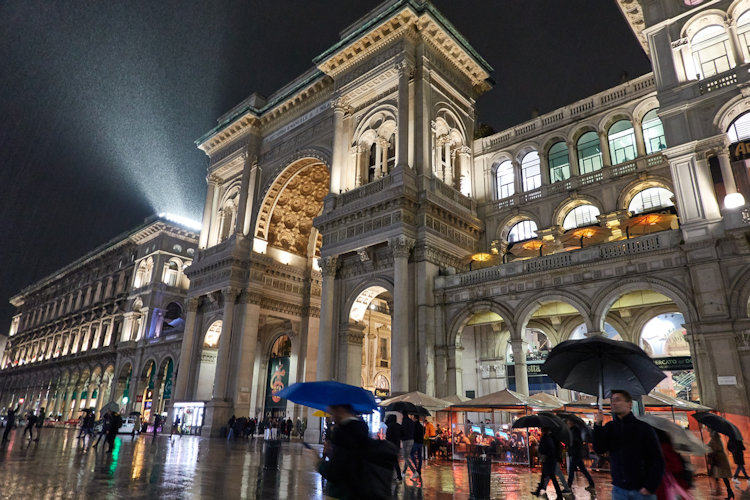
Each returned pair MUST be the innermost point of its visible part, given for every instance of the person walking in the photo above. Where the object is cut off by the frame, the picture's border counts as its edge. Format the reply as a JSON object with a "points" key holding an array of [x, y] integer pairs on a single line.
{"points": [[30, 423], [350, 435], [737, 449], [429, 435], [576, 453], [393, 435], [106, 420], [719, 464], [157, 423], [87, 425], [417, 448], [550, 455], [677, 480], [407, 441], [637, 464], [10, 421], [39, 423], [114, 426], [252, 426]]}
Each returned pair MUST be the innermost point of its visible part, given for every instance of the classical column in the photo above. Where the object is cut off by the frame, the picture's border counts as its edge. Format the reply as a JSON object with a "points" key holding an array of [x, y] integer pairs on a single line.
{"points": [[463, 170], [519, 362], [405, 70], [340, 108], [604, 146], [100, 396], [350, 367], [733, 199], [378, 158], [640, 143], [734, 43], [229, 295], [328, 266], [573, 159], [517, 177], [400, 354], [127, 326], [244, 353], [544, 167], [156, 395], [455, 372], [187, 361], [212, 202]]}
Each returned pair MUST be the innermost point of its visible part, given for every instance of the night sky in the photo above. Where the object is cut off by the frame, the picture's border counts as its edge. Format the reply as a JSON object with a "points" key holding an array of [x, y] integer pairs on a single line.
{"points": [[100, 102]]}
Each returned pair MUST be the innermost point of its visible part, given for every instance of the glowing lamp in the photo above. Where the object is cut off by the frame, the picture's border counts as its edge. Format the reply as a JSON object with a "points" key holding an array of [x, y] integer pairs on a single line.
{"points": [[124, 400], [481, 257], [734, 200], [21, 400]]}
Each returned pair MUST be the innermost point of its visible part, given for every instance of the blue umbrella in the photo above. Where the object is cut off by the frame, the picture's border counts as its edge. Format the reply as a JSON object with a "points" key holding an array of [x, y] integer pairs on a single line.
{"points": [[321, 395]]}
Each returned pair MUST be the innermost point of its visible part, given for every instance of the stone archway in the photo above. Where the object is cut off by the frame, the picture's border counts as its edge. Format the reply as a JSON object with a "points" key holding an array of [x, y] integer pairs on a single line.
{"points": [[207, 362], [366, 345]]}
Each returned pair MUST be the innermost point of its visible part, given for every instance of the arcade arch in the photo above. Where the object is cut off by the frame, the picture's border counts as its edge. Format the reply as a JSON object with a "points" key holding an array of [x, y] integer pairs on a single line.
{"points": [[207, 368], [371, 312]]}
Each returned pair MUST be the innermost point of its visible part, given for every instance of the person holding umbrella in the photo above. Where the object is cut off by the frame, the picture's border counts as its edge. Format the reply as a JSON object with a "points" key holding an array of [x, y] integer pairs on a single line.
{"points": [[576, 454], [350, 435], [634, 450], [720, 468], [393, 435], [550, 452], [737, 449]]}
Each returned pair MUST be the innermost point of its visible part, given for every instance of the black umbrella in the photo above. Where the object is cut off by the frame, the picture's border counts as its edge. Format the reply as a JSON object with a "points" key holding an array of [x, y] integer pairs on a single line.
{"points": [[580, 424], [422, 411], [718, 423], [596, 365], [402, 406], [560, 431], [535, 420]]}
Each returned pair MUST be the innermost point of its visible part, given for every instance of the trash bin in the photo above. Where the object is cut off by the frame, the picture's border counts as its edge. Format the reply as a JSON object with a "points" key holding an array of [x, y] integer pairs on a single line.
{"points": [[271, 454], [479, 476]]}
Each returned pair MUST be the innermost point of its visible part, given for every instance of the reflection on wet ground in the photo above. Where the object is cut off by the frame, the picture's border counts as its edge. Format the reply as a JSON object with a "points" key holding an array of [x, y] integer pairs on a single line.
{"points": [[60, 466]]}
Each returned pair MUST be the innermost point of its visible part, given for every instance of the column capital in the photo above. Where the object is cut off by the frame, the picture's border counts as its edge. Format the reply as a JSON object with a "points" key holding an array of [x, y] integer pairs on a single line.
{"points": [[231, 293], [212, 180], [193, 303], [247, 297], [401, 246], [341, 105], [405, 68], [328, 266], [353, 334]]}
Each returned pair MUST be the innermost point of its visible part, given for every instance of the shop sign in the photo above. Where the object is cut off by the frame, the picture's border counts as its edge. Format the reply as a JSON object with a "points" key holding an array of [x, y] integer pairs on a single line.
{"points": [[739, 150], [675, 363], [139, 399], [382, 393], [727, 380], [531, 369]]}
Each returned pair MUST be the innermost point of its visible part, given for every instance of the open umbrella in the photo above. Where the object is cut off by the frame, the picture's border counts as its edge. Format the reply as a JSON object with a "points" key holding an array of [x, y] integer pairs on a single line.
{"points": [[402, 406], [596, 365], [320, 413], [560, 431], [422, 411], [718, 423], [535, 420], [681, 439], [529, 248], [586, 431], [321, 395], [111, 406], [585, 236]]}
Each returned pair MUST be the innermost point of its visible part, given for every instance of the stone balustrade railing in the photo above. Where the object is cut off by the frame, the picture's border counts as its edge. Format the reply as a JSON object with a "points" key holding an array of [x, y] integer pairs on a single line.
{"points": [[591, 255]]}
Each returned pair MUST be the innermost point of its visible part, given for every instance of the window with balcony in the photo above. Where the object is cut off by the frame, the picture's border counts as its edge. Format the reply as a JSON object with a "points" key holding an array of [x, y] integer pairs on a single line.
{"points": [[531, 172], [583, 215], [589, 153], [559, 162], [653, 132], [710, 49], [171, 273], [524, 230], [650, 199], [621, 138], [505, 180]]}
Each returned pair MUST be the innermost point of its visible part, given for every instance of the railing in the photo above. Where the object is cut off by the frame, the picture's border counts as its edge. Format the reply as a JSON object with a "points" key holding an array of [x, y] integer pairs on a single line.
{"points": [[610, 172], [218, 248], [590, 255], [438, 186], [364, 191], [718, 82]]}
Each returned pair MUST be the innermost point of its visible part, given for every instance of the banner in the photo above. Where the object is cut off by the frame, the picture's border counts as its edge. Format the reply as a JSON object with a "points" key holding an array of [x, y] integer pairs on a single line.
{"points": [[278, 379], [675, 363]]}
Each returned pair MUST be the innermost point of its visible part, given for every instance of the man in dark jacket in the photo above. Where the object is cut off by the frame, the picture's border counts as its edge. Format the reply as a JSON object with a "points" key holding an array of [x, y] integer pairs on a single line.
{"points": [[637, 464], [393, 435], [407, 441], [576, 452], [417, 448], [349, 436], [10, 422], [550, 453]]}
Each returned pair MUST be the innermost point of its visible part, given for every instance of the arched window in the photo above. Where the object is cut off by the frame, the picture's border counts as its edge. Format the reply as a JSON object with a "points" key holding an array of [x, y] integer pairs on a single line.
{"points": [[372, 163], [559, 162], [391, 155], [740, 128], [583, 215], [743, 31], [211, 340], [653, 132], [710, 48], [531, 172], [171, 271], [505, 180], [621, 142], [524, 230], [282, 347], [589, 153], [650, 199], [143, 273]]}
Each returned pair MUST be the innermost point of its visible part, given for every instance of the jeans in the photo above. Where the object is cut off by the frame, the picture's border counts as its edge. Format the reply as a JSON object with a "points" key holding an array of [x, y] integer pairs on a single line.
{"points": [[577, 463], [623, 494], [406, 450], [416, 456]]}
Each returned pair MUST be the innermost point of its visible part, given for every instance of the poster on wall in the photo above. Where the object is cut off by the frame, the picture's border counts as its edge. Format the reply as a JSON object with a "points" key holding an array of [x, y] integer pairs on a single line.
{"points": [[278, 379]]}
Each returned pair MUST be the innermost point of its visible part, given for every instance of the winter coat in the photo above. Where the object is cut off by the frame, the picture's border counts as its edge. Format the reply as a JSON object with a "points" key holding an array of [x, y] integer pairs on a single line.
{"points": [[717, 458]]}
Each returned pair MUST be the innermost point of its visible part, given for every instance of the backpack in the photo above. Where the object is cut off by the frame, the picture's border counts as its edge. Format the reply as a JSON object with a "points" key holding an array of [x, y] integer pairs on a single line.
{"points": [[379, 459]]}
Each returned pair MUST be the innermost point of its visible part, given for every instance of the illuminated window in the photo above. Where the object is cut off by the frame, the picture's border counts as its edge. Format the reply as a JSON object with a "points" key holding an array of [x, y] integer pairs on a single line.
{"points": [[524, 230], [621, 142], [739, 130], [584, 215], [710, 48], [653, 133], [213, 334], [505, 180], [171, 272], [559, 162], [650, 199], [531, 172], [589, 153]]}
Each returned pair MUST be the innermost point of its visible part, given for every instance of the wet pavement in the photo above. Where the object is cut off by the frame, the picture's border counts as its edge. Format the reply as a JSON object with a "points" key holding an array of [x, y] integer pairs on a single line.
{"points": [[59, 466]]}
